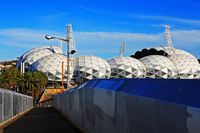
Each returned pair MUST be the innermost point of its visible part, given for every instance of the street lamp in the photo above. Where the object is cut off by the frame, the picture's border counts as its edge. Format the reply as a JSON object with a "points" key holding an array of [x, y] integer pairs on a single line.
{"points": [[49, 37]]}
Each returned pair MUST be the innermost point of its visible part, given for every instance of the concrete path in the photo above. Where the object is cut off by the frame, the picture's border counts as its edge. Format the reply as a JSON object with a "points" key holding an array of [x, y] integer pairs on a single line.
{"points": [[42, 120]]}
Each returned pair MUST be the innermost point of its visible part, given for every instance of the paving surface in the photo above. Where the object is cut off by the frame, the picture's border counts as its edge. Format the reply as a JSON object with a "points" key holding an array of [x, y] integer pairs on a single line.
{"points": [[42, 120]]}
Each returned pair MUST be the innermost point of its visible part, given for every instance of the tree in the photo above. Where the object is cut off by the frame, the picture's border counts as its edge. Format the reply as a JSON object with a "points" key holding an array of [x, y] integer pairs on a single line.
{"points": [[2, 79], [9, 78], [42, 82], [32, 83]]}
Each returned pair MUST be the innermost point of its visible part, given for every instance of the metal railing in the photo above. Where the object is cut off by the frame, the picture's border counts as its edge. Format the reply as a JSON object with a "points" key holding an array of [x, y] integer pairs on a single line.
{"points": [[13, 103]]}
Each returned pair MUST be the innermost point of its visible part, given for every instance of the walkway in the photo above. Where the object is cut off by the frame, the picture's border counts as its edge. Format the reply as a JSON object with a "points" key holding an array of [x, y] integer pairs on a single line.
{"points": [[42, 120]]}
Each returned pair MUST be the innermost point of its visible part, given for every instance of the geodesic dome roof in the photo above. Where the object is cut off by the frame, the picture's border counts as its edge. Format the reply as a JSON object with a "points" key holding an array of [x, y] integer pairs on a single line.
{"points": [[51, 66], [126, 67], [171, 51], [164, 51], [34, 54], [159, 67], [187, 66], [54, 49], [90, 67]]}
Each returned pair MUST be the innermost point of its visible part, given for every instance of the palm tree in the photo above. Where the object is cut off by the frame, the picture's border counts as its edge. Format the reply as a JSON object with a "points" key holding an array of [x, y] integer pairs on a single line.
{"points": [[9, 78], [32, 83], [42, 82]]}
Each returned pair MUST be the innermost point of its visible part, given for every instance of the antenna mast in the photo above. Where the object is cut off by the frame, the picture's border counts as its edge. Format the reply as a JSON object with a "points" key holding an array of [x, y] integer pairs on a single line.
{"points": [[168, 36], [122, 49]]}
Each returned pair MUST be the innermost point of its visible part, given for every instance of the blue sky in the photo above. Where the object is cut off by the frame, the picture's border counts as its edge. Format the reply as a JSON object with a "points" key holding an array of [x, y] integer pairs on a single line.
{"points": [[99, 26]]}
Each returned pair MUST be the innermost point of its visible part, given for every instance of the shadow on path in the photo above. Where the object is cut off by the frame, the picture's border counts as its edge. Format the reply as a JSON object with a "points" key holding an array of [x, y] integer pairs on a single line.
{"points": [[42, 120]]}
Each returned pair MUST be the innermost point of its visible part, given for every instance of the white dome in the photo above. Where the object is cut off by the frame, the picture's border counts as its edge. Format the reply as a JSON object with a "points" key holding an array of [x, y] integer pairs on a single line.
{"points": [[171, 51], [33, 55], [126, 67], [188, 67], [159, 67], [91, 67], [51, 66], [54, 49]]}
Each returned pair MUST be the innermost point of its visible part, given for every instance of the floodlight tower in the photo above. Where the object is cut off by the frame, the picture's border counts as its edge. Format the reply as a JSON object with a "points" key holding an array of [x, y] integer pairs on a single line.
{"points": [[170, 44], [122, 49], [71, 39], [168, 36]]}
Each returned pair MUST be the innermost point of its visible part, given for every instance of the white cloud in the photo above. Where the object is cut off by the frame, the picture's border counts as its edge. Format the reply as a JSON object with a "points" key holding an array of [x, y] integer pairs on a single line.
{"points": [[109, 42], [104, 44], [167, 18], [24, 38], [118, 35], [185, 36]]}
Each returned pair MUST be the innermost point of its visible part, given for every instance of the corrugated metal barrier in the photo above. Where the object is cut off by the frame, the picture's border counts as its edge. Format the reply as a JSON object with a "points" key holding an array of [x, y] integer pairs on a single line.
{"points": [[12, 103], [133, 106]]}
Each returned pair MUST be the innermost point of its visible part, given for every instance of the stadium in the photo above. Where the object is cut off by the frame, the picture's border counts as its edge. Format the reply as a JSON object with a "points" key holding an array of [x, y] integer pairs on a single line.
{"points": [[156, 62]]}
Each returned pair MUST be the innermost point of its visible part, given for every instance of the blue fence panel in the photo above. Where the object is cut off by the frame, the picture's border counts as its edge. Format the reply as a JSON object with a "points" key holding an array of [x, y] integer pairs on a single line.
{"points": [[133, 105], [178, 91]]}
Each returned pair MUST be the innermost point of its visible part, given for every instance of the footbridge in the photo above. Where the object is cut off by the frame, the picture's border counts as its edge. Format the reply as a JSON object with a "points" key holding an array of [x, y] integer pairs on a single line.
{"points": [[117, 106]]}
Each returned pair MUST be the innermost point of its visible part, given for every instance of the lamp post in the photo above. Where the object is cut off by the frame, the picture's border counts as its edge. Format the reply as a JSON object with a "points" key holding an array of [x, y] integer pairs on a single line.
{"points": [[62, 77], [67, 40]]}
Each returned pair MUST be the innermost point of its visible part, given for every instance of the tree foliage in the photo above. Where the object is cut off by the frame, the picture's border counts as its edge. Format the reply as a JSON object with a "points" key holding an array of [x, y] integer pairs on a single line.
{"points": [[9, 78], [29, 83]]}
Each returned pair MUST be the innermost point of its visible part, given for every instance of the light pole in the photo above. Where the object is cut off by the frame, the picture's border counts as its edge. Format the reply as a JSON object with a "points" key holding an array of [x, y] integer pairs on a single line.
{"points": [[48, 37]]}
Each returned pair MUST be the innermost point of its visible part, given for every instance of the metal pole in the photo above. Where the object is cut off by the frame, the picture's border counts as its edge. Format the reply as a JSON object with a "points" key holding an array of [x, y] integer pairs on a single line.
{"points": [[68, 73], [68, 52], [62, 77], [23, 70]]}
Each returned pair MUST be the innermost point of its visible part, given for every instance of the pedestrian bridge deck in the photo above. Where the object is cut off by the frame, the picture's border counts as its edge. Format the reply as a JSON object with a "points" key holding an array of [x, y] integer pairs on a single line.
{"points": [[42, 120]]}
